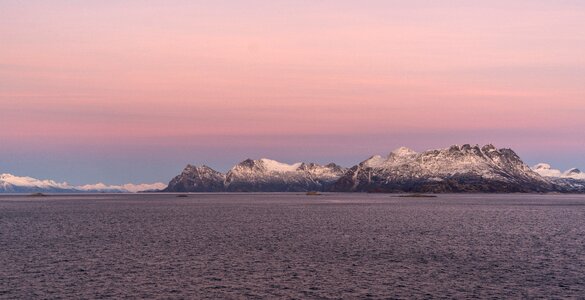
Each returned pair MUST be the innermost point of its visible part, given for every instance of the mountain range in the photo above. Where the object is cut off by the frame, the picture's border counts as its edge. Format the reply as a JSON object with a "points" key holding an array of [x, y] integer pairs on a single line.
{"points": [[455, 169], [15, 184], [263, 175], [572, 180]]}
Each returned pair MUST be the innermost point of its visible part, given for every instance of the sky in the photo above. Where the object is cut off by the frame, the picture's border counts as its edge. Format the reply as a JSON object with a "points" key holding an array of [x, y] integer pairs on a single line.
{"points": [[132, 91]]}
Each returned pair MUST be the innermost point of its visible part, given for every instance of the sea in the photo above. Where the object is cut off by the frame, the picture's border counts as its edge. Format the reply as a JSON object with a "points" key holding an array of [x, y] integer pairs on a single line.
{"points": [[292, 246]]}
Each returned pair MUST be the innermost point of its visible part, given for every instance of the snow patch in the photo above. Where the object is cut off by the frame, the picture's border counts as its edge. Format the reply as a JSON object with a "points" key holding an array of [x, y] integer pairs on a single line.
{"points": [[403, 151], [276, 166], [375, 161]]}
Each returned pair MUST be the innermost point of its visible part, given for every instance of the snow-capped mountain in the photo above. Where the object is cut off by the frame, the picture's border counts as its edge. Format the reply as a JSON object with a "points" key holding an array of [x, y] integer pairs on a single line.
{"points": [[273, 176], [15, 184], [546, 170], [262, 175], [572, 180], [124, 188], [455, 169]]}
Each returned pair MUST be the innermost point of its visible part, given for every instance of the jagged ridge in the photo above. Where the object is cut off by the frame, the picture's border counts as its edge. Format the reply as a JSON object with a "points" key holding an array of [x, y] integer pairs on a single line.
{"points": [[263, 175], [267, 175], [455, 169]]}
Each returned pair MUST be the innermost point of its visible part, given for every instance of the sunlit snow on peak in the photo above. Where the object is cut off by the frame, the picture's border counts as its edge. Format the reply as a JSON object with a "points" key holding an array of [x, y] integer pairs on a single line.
{"points": [[403, 151], [276, 166]]}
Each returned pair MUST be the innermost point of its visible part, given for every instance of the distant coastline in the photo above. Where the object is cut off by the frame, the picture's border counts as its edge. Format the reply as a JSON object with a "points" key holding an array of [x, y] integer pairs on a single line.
{"points": [[456, 169]]}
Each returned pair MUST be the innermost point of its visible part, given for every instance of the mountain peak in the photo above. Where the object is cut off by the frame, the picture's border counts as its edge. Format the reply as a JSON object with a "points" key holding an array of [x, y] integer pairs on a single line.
{"points": [[375, 161], [264, 165], [197, 179], [453, 169], [268, 175], [195, 168], [247, 163], [488, 148], [541, 166], [403, 151], [572, 172], [545, 170], [276, 166]]}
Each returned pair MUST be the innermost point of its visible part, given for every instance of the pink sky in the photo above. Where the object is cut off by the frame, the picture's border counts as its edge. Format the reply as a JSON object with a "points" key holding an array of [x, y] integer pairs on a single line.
{"points": [[218, 81]]}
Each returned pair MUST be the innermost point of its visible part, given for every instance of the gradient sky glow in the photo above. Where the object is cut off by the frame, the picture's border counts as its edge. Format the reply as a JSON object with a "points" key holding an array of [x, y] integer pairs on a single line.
{"points": [[131, 91]]}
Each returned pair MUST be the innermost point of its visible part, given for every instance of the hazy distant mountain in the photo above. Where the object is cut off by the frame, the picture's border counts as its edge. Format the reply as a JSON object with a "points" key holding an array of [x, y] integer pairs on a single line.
{"points": [[15, 184], [455, 169], [125, 188], [572, 180], [547, 171]]}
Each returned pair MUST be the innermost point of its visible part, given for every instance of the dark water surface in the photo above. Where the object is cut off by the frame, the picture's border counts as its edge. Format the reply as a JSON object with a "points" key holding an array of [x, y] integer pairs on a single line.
{"points": [[292, 246]]}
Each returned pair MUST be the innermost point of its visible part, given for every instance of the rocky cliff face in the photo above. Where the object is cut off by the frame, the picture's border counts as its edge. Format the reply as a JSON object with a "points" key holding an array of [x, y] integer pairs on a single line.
{"points": [[197, 179], [455, 169]]}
